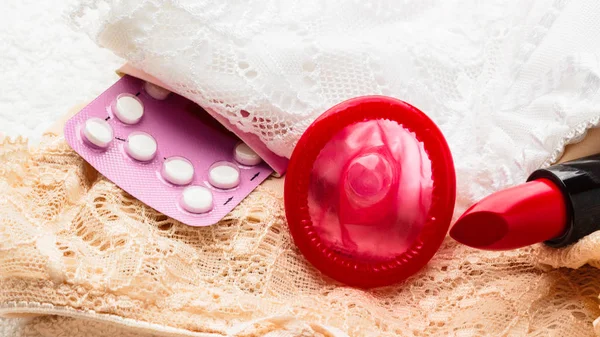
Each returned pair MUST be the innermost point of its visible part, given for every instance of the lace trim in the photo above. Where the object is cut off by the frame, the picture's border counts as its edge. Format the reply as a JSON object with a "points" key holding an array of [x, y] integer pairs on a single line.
{"points": [[28, 308], [575, 135], [23, 307]]}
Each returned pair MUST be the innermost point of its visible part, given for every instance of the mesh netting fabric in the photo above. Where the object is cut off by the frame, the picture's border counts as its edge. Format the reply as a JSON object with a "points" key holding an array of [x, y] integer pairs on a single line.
{"points": [[76, 246]]}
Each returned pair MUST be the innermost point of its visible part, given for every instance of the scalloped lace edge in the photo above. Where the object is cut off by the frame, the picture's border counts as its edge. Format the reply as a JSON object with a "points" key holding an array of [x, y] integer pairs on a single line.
{"points": [[575, 135]]}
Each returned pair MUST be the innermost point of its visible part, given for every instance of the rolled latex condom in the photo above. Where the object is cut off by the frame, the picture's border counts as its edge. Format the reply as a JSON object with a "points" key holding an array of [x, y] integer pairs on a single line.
{"points": [[370, 191]]}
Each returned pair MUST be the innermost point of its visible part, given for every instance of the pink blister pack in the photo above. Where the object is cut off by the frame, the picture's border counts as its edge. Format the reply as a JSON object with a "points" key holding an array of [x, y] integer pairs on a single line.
{"points": [[165, 151]]}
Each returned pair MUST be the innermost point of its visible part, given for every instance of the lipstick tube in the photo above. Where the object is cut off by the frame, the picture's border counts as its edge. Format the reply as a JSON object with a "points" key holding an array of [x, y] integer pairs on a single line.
{"points": [[557, 205], [579, 183]]}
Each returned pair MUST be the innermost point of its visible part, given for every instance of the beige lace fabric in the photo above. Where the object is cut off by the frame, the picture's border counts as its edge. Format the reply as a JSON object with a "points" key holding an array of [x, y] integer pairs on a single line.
{"points": [[80, 257]]}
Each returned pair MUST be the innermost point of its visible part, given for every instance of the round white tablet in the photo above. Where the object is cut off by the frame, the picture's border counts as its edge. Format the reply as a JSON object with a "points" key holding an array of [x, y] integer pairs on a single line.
{"points": [[98, 132], [178, 171], [128, 109], [197, 199], [155, 91], [141, 146], [245, 155], [224, 175]]}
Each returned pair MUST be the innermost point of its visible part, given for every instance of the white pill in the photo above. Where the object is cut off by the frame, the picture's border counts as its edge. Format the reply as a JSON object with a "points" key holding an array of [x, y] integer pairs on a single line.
{"points": [[178, 171], [141, 146], [129, 109], [197, 199], [155, 91], [98, 132], [223, 175], [245, 155]]}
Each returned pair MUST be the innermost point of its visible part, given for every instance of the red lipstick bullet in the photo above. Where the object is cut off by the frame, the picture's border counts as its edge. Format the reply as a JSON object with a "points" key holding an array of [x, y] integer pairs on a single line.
{"points": [[558, 206]]}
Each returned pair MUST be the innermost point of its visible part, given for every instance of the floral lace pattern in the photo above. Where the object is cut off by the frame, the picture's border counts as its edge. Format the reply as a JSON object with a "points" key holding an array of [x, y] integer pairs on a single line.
{"points": [[509, 84], [83, 254]]}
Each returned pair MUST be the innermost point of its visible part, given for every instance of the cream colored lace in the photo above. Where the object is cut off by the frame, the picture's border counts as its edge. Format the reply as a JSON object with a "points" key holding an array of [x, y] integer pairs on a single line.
{"points": [[75, 245]]}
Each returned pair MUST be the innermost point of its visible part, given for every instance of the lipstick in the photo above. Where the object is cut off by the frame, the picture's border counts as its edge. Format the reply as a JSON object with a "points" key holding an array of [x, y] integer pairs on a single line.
{"points": [[557, 205]]}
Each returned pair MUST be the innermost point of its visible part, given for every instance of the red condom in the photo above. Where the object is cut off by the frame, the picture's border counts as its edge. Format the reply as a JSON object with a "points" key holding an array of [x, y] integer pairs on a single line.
{"points": [[370, 191]]}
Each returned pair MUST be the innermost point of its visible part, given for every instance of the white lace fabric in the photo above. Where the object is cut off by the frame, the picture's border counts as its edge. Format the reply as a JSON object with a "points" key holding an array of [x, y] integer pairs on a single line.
{"points": [[509, 83]]}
